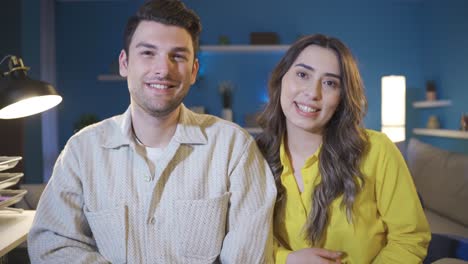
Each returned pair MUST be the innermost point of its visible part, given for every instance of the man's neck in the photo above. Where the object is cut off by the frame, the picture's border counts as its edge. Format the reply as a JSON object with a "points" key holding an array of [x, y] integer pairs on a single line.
{"points": [[155, 132]]}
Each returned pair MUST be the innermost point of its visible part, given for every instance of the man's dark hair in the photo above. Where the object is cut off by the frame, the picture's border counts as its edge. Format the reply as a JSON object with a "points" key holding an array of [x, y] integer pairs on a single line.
{"points": [[168, 12]]}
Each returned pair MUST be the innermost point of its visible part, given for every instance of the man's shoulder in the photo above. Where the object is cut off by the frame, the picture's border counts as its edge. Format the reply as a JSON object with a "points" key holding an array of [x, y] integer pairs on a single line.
{"points": [[97, 131], [215, 126]]}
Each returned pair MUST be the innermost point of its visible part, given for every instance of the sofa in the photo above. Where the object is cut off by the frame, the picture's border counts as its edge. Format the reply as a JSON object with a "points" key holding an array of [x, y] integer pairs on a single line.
{"points": [[441, 179]]}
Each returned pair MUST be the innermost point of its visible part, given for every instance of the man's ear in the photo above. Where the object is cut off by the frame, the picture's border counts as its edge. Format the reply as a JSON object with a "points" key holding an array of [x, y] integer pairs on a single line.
{"points": [[123, 63], [195, 68]]}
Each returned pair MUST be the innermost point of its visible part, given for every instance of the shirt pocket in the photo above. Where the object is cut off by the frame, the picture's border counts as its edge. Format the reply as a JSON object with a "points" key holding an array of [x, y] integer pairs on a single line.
{"points": [[109, 227], [201, 227]]}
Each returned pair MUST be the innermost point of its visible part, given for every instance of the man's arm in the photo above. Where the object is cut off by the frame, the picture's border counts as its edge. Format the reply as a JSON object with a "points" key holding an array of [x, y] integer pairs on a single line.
{"points": [[249, 237], [60, 232]]}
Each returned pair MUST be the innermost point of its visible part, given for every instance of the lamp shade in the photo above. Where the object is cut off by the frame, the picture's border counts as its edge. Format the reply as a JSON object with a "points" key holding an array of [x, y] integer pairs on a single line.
{"points": [[21, 96], [394, 107]]}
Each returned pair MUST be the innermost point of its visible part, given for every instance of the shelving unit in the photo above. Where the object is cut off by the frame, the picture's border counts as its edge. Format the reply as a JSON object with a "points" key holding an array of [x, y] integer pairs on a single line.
{"points": [[447, 133], [243, 48], [441, 133], [254, 130], [110, 77], [431, 104], [212, 48]]}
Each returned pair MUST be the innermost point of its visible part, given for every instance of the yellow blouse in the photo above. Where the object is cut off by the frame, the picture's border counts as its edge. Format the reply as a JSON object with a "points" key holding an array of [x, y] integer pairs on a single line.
{"points": [[389, 225]]}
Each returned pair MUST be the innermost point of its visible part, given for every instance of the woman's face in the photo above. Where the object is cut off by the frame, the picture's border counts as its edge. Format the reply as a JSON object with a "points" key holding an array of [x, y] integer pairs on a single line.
{"points": [[311, 90]]}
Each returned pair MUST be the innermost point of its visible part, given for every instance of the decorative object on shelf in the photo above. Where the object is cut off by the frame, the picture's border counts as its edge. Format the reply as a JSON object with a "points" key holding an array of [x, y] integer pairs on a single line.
{"points": [[263, 38], [464, 122], [84, 121], [223, 40], [225, 89], [430, 91], [394, 107], [21, 96], [433, 122]]}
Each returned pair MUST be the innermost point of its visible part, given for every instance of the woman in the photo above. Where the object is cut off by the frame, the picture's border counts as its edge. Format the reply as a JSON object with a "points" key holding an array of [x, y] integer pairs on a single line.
{"points": [[345, 194]]}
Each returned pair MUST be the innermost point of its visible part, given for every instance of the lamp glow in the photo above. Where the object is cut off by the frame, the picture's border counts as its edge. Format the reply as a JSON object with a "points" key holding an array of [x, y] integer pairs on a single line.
{"points": [[30, 106], [394, 107], [21, 96]]}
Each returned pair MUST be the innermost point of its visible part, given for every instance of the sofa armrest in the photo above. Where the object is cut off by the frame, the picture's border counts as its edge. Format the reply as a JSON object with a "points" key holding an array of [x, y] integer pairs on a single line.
{"points": [[446, 246]]}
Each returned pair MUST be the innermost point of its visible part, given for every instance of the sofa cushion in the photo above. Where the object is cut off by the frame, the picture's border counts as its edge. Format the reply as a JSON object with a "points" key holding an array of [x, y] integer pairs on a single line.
{"points": [[441, 177], [443, 225]]}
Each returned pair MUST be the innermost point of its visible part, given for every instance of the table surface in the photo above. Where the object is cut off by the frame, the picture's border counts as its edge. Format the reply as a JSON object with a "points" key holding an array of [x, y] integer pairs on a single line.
{"points": [[14, 229]]}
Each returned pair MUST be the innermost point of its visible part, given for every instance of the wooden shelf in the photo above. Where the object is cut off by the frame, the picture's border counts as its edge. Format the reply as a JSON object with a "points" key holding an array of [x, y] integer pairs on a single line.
{"points": [[254, 130], [429, 104], [110, 77], [243, 48], [441, 133]]}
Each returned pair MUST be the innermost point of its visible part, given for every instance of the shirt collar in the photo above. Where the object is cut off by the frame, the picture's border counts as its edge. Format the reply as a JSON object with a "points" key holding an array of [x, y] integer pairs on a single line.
{"points": [[188, 131], [190, 128]]}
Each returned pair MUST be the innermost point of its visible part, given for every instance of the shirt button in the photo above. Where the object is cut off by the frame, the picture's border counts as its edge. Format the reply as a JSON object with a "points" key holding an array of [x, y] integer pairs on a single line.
{"points": [[152, 221], [147, 178]]}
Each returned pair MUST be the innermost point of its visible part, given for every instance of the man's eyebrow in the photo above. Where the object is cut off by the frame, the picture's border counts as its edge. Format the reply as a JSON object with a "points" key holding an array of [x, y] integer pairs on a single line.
{"points": [[154, 47], [146, 45], [181, 49], [310, 68]]}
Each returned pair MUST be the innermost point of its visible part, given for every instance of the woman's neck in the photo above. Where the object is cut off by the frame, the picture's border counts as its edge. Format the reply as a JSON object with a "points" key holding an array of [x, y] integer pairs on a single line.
{"points": [[300, 145], [303, 143]]}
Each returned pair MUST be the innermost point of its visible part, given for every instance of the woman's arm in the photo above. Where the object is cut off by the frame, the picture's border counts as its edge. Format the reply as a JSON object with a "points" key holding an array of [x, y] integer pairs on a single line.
{"points": [[408, 232]]}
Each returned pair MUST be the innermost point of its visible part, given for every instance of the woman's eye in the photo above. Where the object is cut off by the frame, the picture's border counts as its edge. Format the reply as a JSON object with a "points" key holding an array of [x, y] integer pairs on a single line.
{"points": [[301, 75], [329, 83]]}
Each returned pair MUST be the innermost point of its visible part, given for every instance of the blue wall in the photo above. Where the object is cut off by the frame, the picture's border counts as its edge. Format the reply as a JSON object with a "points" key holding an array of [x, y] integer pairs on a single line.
{"points": [[30, 47], [88, 42], [445, 47]]}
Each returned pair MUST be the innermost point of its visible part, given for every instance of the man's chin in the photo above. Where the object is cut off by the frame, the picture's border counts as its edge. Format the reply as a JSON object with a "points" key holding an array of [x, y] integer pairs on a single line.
{"points": [[163, 111]]}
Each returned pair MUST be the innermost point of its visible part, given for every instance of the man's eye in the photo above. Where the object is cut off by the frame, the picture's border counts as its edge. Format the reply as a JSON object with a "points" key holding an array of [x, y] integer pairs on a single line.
{"points": [[179, 57], [147, 53]]}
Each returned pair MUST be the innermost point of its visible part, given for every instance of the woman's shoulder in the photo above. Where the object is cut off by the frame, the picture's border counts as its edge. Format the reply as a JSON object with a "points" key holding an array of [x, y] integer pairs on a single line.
{"points": [[380, 146], [377, 139]]}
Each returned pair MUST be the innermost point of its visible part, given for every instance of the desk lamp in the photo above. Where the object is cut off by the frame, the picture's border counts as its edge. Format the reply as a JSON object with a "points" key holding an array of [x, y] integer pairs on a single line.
{"points": [[21, 96]]}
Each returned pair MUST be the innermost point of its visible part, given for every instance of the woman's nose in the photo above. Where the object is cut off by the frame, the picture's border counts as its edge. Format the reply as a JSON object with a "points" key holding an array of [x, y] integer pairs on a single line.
{"points": [[314, 90]]}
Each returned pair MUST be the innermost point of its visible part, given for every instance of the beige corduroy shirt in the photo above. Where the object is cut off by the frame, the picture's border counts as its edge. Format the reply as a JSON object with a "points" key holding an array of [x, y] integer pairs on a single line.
{"points": [[209, 200]]}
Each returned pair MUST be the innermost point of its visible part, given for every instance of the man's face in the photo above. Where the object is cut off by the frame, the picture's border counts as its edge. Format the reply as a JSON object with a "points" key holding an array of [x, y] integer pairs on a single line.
{"points": [[160, 67]]}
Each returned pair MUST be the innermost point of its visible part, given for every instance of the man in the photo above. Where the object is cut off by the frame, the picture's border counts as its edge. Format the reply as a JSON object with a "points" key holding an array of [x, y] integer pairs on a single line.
{"points": [[158, 184]]}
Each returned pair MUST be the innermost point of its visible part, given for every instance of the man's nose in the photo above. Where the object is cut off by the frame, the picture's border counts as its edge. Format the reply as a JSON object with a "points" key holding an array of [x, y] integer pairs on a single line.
{"points": [[162, 66]]}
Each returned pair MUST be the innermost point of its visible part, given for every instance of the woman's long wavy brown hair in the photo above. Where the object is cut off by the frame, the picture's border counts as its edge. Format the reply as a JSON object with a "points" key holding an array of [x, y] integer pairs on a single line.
{"points": [[344, 139]]}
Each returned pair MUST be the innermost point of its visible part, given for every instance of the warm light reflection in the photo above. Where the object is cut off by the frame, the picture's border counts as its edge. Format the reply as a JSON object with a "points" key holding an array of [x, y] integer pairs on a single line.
{"points": [[30, 106], [394, 107]]}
